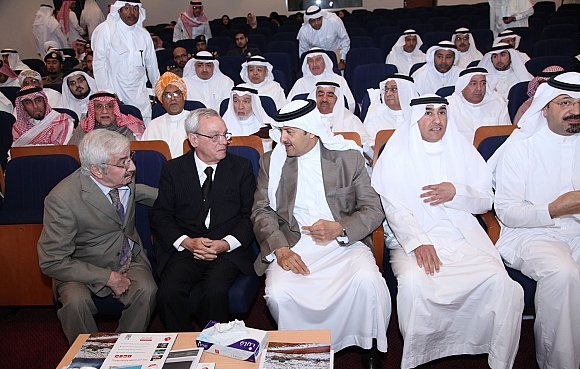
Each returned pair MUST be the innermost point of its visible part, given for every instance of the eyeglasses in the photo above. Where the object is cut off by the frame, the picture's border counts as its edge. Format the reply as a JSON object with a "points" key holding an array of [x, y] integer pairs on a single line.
{"points": [[566, 104], [169, 95], [216, 138], [125, 164], [392, 89]]}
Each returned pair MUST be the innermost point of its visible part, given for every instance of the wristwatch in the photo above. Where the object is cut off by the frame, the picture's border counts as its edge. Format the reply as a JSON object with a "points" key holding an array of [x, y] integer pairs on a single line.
{"points": [[343, 238]]}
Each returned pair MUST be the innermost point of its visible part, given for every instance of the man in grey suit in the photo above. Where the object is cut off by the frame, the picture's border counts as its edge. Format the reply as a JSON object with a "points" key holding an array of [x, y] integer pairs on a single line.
{"points": [[314, 211], [89, 244]]}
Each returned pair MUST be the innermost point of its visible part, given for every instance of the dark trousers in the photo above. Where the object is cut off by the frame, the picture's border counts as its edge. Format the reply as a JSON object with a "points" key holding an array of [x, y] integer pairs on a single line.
{"points": [[194, 288]]}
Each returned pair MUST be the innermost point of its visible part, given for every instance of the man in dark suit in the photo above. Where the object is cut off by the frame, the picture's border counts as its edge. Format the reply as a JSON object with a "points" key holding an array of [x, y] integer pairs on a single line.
{"points": [[89, 244], [201, 222], [313, 214]]}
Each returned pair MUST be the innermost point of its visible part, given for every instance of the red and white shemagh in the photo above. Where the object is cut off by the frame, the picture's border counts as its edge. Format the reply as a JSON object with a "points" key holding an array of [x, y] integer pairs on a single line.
{"points": [[134, 124]]}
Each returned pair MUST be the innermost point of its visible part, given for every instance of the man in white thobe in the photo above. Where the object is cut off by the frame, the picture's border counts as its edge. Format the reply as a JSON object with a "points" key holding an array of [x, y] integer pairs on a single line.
{"points": [[257, 72], [170, 127], [91, 16], [335, 116], [317, 67], [389, 104], [463, 40], [509, 13], [313, 213], [324, 30], [76, 89], [473, 104], [124, 56], [440, 70], [537, 175], [12, 57], [511, 38], [192, 23], [506, 67], [8, 78], [454, 294], [46, 28], [205, 81], [69, 23], [245, 115], [406, 52]]}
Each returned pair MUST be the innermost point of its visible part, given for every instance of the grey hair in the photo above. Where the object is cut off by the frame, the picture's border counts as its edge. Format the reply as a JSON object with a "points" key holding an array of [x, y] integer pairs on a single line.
{"points": [[192, 120], [97, 147]]}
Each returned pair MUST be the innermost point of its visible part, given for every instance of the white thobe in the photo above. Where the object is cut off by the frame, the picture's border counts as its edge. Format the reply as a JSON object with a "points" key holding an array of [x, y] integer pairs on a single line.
{"points": [[10, 82], [331, 36], [5, 104], [383, 118], [46, 28], [179, 32], [468, 56], [344, 291], [91, 16], [428, 80], [404, 60], [520, 9], [306, 85], [505, 79], [348, 122], [124, 57], [168, 128], [210, 92], [75, 30], [492, 111], [436, 313], [530, 174], [271, 89]]}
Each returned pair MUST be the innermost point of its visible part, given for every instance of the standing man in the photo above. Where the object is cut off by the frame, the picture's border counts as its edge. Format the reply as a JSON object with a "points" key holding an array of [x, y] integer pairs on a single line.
{"points": [[440, 70], [201, 221], [406, 52], [91, 16], [463, 40], [313, 214], [124, 56], [46, 28], [509, 14], [448, 271], [170, 127], [192, 23], [69, 23], [36, 122], [89, 245], [537, 201], [76, 89], [324, 30], [257, 72]]}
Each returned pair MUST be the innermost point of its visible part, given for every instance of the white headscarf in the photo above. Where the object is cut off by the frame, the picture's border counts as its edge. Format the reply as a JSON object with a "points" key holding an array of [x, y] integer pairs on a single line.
{"points": [[259, 61], [314, 12], [337, 114], [508, 33], [114, 21], [471, 54], [300, 114], [517, 65], [205, 57], [398, 55], [406, 151], [258, 119], [14, 59], [71, 102]]}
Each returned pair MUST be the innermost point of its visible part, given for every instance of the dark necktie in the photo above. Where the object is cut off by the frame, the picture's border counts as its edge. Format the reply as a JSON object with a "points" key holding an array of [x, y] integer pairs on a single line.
{"points": [[205, 192], [125, 257]]}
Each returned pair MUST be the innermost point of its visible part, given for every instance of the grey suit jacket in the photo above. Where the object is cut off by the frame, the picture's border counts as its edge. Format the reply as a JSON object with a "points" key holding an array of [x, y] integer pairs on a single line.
{"points": [[352, 201], [82, 234]]}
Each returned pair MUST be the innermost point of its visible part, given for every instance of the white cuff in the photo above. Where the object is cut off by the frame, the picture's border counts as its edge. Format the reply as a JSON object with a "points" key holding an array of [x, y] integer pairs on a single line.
{"points": [[232, 241], [177, 243]]}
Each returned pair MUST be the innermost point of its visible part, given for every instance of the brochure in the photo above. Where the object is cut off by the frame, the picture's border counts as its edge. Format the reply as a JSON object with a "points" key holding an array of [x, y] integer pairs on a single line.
{"points": [[140, 351], [94, 351], [183, 359]]}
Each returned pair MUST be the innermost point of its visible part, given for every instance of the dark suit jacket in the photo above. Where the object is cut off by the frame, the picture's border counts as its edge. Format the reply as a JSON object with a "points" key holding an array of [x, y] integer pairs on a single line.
{"points": [[177, 210], [349, 194], [82, 235]]}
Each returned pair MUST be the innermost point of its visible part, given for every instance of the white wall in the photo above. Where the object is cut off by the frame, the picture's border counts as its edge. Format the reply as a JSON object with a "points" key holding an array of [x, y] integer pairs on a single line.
{"points": [[16, 17]]}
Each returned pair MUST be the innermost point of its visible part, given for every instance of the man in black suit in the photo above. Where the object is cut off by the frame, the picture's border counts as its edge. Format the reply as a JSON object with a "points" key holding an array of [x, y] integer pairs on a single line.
{"points": [[201, 222]]}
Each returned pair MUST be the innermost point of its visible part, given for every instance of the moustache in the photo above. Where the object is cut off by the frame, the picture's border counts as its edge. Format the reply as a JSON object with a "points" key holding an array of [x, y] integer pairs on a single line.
{"points": [[572, 116]]}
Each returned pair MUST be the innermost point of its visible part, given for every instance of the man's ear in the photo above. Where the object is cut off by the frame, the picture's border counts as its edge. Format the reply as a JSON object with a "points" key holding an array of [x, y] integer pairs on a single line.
{"points": [[192, 137], [96, 171]]}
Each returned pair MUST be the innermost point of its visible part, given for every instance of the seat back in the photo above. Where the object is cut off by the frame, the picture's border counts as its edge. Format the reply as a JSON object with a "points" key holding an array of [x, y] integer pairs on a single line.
{"points": [[380, 140], [415, 67], [281, 63], [553, 47], [368, 76], [231, 66], [362, 56], [537, 64], [488, 139], [445, 91], [517, 95], [353, 136], [10, 93]]}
